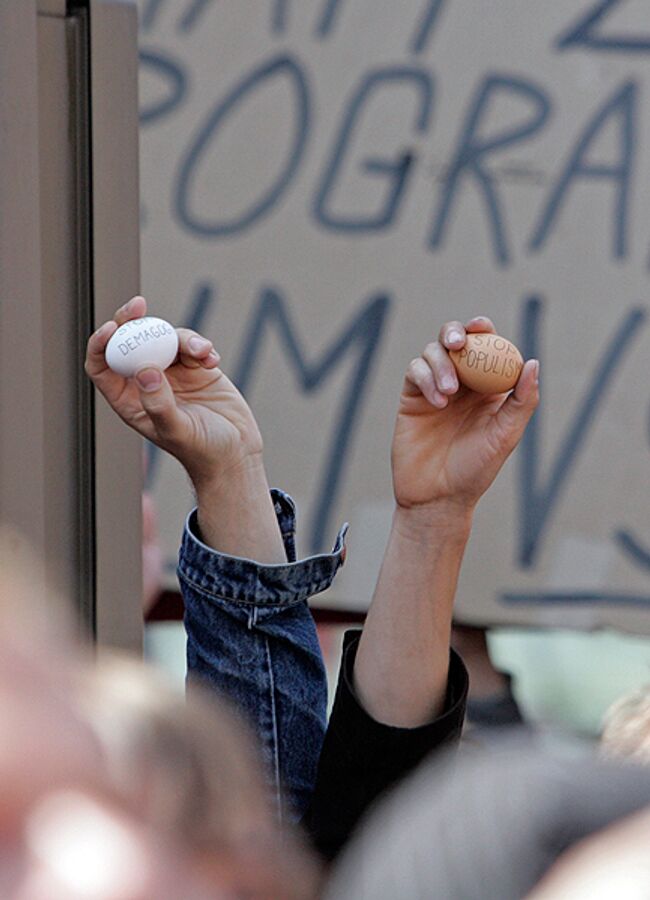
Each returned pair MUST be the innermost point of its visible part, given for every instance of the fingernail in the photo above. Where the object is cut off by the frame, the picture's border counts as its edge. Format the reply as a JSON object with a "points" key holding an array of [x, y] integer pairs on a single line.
{"points": [[447, 383], [149, 379], [536, 370], [125, 306], [101, 329], [454, 336], [197, 344]]}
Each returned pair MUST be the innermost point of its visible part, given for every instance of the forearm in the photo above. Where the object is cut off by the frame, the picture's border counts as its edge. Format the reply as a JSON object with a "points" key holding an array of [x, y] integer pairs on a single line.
{"points": [[250, 636], [236, 514], [361, 758], [401, 669]]}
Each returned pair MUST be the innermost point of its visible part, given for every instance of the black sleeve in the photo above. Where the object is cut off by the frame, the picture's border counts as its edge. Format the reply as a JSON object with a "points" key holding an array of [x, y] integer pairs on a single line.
{"points": [[361, 757]]}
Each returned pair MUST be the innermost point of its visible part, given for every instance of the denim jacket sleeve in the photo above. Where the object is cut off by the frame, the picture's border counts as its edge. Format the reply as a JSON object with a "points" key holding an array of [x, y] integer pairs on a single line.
{"points": [[251, 636]]}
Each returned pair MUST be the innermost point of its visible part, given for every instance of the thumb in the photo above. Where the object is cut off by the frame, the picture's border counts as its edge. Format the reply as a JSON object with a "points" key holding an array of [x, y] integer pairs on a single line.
{"points": [[514, 415], [159, 402]]}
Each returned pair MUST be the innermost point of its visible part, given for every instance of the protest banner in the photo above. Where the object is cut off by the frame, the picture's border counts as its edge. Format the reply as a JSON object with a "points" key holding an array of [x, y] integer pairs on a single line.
{"points": [[325, 183]]}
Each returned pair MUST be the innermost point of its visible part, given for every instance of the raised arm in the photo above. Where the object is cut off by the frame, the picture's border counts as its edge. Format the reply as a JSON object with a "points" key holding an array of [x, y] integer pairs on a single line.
{"points": [[448, 446], [401, 694], [193, 411], [250, 634]]}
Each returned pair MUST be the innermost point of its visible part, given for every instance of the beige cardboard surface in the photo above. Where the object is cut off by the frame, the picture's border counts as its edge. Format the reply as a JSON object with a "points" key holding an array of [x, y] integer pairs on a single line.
{"points": [[325, 183]]}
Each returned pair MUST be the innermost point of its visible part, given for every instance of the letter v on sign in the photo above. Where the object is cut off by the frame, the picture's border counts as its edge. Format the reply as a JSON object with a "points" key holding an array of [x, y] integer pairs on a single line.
{"points": [[537, 500], [588, 31]]}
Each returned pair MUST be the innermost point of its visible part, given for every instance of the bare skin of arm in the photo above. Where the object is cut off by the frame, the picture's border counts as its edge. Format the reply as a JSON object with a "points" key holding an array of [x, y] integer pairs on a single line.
{"points": [[449, 444], [193, 411]]}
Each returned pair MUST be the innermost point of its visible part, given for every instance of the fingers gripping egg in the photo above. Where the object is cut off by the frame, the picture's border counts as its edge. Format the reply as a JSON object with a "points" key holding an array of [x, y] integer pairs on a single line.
{"points": [[141, 343], [488, 364]]}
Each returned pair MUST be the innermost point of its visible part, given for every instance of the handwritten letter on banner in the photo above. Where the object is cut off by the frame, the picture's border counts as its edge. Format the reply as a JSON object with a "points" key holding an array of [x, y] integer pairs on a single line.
{"points": [[324, 182]]}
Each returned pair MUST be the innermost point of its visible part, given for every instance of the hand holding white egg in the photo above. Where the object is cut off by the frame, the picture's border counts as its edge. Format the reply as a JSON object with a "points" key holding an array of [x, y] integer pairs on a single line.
{"points": [[167, 385]]}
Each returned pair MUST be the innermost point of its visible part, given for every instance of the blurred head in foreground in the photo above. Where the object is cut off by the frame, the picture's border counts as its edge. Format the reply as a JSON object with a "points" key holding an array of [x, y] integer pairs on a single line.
{"points": [[113, 787], [189, 768], [45, 741], [488, 823]]}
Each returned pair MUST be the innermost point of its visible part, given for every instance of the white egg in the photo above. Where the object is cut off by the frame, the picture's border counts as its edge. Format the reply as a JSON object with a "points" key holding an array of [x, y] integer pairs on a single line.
{"points": [[141, 343]]}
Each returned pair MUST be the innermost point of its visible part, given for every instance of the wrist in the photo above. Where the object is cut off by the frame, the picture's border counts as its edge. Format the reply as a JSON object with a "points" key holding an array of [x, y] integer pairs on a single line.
{"points": [[447, 519], [236, 515], [231, 496], [245, 477]]}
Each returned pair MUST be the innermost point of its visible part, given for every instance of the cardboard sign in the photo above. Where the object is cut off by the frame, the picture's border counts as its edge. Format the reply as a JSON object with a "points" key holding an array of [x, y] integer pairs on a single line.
{"points": [[325, 183]]}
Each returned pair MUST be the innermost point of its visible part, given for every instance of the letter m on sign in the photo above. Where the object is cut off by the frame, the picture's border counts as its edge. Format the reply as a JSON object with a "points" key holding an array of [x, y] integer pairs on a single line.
{"points": [[359, 338]]}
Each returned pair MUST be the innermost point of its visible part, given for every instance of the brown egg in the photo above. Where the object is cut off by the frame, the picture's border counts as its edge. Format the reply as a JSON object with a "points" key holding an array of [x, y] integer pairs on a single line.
{"points": [[488, 363]]}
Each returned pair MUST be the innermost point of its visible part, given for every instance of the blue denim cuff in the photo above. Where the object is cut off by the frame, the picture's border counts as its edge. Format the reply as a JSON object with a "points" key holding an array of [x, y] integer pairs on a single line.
{"points": [[245, 581]]}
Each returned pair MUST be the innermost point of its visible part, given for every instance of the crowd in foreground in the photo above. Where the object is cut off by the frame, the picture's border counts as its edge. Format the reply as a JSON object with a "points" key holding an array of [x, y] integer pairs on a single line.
{"points": [[115, 787]]}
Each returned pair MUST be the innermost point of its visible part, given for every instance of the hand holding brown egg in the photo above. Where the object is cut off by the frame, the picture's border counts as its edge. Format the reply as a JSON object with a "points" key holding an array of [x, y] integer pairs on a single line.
{"points": [[457, 424]]}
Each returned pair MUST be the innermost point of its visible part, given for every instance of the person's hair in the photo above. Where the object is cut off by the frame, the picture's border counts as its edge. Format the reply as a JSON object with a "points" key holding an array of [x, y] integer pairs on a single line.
{"points": [[188, 766], [626, 727], [187, 762]]}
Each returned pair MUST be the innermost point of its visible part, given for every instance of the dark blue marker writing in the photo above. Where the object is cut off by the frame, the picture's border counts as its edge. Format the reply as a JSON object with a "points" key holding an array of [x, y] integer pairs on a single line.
{"points": [[586, 33], [174, 74], [426, 26], [328, 18], [633, 548], [148, 14], [192, 15], [574, 598], [364, 335], [537, 501], [282, 67], [630, 545], [621, 108], [473, 152], [279, 16], [394, 171]]}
